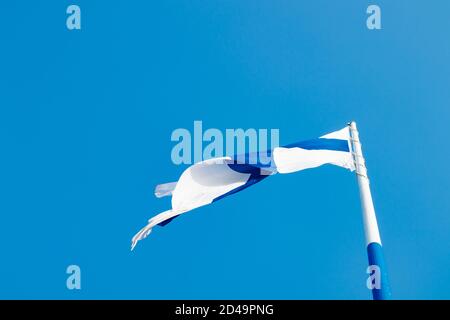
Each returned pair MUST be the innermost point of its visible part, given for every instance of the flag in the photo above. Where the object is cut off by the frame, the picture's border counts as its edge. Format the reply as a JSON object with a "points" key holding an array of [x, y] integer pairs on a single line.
{"points": [[208, 181]]}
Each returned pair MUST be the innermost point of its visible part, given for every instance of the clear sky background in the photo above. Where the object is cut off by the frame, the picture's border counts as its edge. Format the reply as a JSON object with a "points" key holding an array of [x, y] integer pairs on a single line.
{"points": [[85, 124]]}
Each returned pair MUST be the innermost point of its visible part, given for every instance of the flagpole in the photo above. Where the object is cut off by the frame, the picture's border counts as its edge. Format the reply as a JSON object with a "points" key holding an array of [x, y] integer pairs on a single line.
{"points": [[377, 280]]}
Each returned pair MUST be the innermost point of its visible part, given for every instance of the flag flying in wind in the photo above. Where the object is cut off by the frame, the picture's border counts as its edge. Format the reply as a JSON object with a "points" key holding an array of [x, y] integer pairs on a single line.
{"points": [[210, 180]]}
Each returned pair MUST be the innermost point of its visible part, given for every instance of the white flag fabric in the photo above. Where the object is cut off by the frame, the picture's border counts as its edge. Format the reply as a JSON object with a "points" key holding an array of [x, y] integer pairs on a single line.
{"points": [[211, 180], [333, 148]]}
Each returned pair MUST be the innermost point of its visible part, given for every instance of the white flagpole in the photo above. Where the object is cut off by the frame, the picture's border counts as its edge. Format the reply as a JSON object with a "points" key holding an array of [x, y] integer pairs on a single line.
{"points": [[377, 281]]}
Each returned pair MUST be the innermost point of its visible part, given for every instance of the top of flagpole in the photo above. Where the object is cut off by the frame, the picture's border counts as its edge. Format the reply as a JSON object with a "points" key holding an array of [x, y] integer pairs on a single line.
{"points": [[370, 222], [360, 163]]}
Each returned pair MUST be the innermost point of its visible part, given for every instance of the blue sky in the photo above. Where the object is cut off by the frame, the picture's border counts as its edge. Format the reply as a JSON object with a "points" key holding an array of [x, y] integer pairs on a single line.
{"points": [[85, 124]]}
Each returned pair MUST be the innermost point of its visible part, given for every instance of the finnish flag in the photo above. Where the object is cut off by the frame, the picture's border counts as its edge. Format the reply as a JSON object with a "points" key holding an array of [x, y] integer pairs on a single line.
{"points": [[211, 180]]}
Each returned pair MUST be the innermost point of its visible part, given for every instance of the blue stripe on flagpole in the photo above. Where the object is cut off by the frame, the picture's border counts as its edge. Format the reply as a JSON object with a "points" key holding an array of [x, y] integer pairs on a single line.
{"points": [[375, 253]]}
